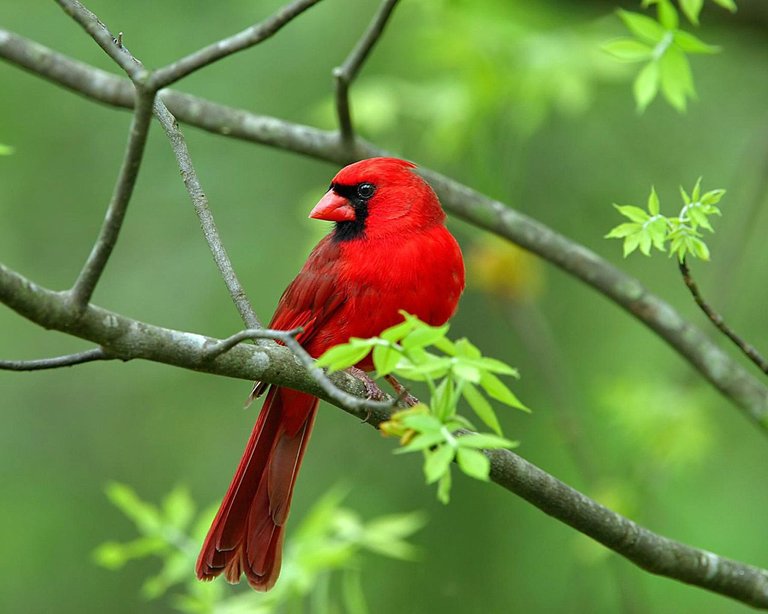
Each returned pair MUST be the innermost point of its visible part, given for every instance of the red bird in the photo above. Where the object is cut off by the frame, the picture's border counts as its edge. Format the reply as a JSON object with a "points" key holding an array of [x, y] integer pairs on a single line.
{"points": [[389, 250]]}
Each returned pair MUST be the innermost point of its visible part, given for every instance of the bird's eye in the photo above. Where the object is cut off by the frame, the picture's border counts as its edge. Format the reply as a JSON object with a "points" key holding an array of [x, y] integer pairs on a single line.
{"points": [[365, 190]]}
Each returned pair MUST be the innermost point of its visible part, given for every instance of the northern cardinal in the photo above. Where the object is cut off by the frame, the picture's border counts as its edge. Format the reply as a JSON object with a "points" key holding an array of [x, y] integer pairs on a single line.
{"points": [[389, 250]]}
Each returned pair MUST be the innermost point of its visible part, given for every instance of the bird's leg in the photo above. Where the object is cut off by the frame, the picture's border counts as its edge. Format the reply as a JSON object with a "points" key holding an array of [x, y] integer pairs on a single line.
{"points": [[372, 390], [402, 392]]}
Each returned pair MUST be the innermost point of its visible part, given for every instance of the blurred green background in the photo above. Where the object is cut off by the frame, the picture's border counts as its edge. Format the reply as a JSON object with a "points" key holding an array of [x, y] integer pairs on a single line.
{"points": [[515, 99]]}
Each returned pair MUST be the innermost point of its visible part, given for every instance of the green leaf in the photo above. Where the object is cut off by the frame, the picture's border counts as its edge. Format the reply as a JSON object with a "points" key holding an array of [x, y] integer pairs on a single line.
{"points": [[496, 389], [485, 441], [691, 9], [624, 230], [684, 194], [646, 85], [444, 400], [145, 516], [395, 333], [712, 197], [696, 194], [636, 214], [465, 348], [645, 243], [657, 230], [474, 463], [481, 407], [438, 462], [178, 508], [465, 371], [727, 4], [692, 44], [631, 243], [423, 336], [444, 488], [628, 50], [676, 79], [385, 359], [6, 150], [668, 15], [698, 248], [653, 202], [423, 423], [642, 26], [343, 356], [422, 442]]}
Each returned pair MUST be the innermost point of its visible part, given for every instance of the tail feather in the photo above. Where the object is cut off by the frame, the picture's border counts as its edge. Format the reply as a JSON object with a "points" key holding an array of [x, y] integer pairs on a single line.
{"points": [[246, 535]]}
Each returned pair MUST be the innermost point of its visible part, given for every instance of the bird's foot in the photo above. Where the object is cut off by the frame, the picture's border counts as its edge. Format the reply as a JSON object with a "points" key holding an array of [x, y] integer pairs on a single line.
{"points": [[403, 396], [372, 390]]}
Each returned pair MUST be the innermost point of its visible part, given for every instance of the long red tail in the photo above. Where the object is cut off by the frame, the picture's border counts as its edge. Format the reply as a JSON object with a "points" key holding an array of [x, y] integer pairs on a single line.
{"points": [[247, 534]]}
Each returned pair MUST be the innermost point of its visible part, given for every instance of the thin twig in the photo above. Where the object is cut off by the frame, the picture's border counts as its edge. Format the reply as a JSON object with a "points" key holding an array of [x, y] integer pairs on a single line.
{"points": [[719, 322], [204, 215], [242, 40], [56, 362], [344, 75], [89, 276], [94, 266], [100, 33], [288, 338]]}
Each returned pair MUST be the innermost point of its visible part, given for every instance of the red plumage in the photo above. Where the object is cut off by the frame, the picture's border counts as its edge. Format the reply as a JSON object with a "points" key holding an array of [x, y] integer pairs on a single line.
{"points": [[390, 250]]}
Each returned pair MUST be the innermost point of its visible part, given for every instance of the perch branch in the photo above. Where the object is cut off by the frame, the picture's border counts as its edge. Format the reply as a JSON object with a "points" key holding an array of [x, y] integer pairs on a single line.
{"points": [[127, 339], [288, 338]]}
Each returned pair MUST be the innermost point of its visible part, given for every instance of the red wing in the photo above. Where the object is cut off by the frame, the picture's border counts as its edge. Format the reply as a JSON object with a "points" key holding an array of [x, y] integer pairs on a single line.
{"points": [[311, 298]]}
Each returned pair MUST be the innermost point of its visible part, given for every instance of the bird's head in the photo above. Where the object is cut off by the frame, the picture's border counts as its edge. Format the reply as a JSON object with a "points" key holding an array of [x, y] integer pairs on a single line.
{"points": [[376, 198]]}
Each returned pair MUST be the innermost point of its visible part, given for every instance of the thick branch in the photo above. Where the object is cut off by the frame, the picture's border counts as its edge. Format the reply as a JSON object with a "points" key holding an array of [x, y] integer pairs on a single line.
{"points": [[715, 365], [344, 75], [716, 319], [238, 42], [128, 339]]}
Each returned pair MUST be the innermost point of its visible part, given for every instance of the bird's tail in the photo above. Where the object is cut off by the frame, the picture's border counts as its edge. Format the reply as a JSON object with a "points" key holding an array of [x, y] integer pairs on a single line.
{"points": [[247, 534]]}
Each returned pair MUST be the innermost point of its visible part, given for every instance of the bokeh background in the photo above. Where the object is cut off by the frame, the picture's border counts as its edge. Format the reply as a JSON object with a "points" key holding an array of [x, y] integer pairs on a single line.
{"points": [[515, 99]]}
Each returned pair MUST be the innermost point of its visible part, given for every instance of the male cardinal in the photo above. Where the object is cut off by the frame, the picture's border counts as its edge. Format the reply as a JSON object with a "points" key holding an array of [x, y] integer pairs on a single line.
{"points": [[389, 250]]}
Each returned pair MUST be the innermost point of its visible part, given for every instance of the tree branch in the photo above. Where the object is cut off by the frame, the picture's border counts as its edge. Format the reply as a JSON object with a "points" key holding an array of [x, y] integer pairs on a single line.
{"points": [[238, 42], [127, 339], [716, 366], [100, 33], [748, 349], [344, 75], [59, 361], [94, 266], [288, 338], [205, 216]]}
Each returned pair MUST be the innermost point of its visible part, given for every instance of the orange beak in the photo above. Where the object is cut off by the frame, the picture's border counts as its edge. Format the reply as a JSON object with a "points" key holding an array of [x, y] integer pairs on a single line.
{"points": [[333, 208]]}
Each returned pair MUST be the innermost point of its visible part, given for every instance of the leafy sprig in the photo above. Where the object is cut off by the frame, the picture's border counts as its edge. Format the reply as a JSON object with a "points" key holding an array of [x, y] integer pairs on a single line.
{"points": [[663, 46], [459, 371], [649, 228], [330, 539]]}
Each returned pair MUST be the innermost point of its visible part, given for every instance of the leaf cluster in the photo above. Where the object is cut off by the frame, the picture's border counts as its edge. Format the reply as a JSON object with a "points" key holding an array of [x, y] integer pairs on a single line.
{"points": [[663, 46], [330, 539], [458, 372], [649, 228]]}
